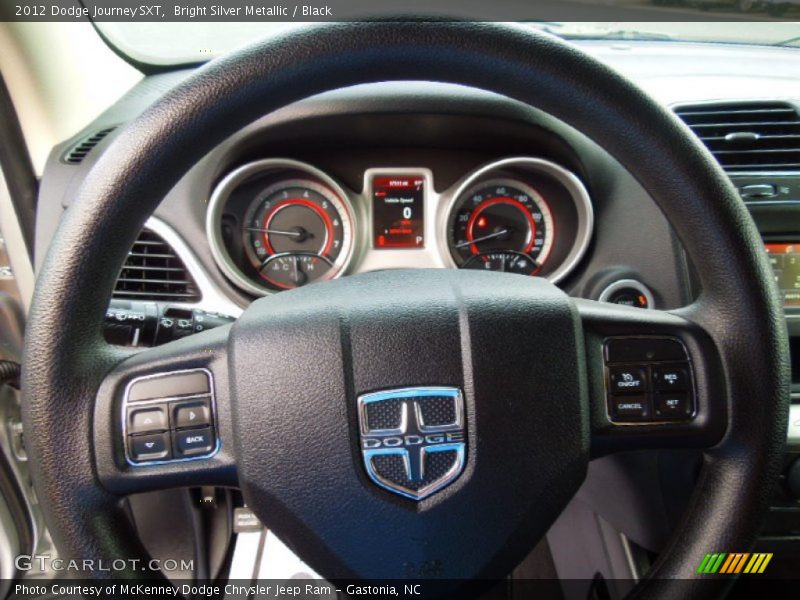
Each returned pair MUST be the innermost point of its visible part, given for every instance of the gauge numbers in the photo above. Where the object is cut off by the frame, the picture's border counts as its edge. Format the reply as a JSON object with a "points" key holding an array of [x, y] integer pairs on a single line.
{"points": [[501, 225], [296, 232]]}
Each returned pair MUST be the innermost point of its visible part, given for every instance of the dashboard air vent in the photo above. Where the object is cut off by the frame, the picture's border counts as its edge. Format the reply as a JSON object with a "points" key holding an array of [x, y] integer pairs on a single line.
{"points": [[81, 150], [748, 136], [153, 271]]}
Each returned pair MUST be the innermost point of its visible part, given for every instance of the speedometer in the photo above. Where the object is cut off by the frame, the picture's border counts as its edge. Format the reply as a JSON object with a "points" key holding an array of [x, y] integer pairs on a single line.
{"points": [[501, 225], [522, 215]]}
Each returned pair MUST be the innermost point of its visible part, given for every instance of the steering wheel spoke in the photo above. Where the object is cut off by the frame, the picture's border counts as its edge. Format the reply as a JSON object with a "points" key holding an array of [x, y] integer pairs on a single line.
{"points": [[655, 380], [162, 418]]}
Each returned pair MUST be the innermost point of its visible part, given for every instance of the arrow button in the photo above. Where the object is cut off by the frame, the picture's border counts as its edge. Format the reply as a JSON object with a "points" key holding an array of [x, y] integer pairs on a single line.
{"points": [[151, 446], [191, 413], [147, 419]]}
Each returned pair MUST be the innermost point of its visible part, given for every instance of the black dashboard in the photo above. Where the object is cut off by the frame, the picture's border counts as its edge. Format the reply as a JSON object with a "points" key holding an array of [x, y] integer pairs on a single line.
{"points": [[277, 224], [423, 175], [457, 141]]}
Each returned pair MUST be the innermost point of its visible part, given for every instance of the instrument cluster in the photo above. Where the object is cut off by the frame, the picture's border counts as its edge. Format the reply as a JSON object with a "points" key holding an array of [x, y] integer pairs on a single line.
{"points": [[278, 224]]}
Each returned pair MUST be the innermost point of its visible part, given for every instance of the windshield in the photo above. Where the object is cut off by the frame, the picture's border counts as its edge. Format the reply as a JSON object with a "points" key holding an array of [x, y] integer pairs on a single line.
{"points": [[192, 42]]}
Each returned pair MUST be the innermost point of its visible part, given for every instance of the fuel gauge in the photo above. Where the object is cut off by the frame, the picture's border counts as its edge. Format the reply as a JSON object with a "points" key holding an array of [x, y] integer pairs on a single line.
{"points": [[505, 261]]}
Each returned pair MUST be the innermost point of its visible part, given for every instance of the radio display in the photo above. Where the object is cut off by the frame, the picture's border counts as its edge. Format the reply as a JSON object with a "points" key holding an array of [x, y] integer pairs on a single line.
{"points": [[398, 219], [785, 261]]}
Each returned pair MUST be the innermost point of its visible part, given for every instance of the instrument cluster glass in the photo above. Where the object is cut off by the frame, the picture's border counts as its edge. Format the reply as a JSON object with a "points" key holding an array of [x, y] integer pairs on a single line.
{"points": [[294, 232], [501, 225], [398, 211], [280, 224], [521, 215]]}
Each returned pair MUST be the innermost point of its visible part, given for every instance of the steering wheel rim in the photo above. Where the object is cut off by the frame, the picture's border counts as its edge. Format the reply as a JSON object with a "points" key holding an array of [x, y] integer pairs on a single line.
{"points": [[66, 360]]}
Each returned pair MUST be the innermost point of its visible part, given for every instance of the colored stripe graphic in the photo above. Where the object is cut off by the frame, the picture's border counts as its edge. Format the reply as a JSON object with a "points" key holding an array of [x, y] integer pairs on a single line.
{"points": [[755, 562], [734, 562], [740, 564], [718, 563], [726, 566], [767, 558], [712, 562], [703, 563]]}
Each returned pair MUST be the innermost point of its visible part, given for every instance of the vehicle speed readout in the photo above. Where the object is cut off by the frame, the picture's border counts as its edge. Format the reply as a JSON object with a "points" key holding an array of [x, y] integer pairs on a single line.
{"points": [[397, 211]]}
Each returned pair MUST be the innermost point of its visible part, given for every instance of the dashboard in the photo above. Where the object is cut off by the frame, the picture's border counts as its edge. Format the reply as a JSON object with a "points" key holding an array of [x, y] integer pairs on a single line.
{"points": [[425, 175], [277, 224], [390, 176]]}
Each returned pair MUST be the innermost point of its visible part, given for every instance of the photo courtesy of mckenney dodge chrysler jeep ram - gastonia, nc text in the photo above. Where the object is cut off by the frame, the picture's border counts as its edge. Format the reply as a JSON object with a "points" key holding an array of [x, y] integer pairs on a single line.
{"points": [[414, 301]]}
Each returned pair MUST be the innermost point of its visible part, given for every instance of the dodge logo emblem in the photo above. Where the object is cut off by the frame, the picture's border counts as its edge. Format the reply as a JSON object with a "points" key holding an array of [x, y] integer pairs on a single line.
{"points": [[413, 439]]}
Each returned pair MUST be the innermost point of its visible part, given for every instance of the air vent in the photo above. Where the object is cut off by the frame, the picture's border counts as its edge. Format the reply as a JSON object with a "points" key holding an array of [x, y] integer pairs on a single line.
{"points": [[153, 271], [81, 150], [748, 136]]}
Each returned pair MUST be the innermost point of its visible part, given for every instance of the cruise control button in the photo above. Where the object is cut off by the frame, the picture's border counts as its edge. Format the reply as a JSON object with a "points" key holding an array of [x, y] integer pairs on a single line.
{"points": [[193, 442], [671, 378], [154, 446], [628, 380], [194, 413], [629, 408], [673, 406], [147, 419]]}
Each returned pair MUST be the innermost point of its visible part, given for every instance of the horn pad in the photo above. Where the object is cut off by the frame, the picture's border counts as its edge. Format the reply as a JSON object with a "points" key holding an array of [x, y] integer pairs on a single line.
{"points": [[410, 424]]}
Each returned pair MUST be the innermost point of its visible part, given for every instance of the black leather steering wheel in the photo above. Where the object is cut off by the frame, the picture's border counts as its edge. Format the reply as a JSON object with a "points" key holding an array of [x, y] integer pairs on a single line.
{"points": [[287, 374]]}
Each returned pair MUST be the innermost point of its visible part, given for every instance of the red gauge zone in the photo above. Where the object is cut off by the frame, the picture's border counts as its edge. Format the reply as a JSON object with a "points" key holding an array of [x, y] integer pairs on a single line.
{"points": [[295, 233], [398, 218], [501, 226]]}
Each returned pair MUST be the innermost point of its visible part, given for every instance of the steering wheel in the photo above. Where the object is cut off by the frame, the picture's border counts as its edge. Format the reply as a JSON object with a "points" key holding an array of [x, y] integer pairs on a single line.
{"points": [[523, 363]]}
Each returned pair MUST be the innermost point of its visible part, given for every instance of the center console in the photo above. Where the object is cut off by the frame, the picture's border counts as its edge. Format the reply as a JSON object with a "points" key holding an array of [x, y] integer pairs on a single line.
{"points": [[774, 202]]}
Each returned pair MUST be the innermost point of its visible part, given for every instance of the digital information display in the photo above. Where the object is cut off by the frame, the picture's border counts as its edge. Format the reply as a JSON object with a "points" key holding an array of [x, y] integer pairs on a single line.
{"points": [[398, 219], [785, 261]]}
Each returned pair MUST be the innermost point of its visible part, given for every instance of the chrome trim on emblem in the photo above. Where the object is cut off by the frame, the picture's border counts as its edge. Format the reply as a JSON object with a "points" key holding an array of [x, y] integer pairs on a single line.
{"points": [[452, 440]]}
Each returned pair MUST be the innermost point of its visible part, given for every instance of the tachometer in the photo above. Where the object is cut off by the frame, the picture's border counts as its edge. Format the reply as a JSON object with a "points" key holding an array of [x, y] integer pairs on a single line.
{"points": [[278, 224], [501, 225], [295, 233]]}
